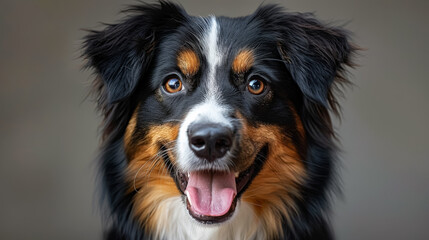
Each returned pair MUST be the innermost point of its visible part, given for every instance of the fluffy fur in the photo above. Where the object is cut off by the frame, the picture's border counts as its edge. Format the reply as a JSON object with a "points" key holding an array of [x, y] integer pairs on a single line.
{"points": [[267, 81]]}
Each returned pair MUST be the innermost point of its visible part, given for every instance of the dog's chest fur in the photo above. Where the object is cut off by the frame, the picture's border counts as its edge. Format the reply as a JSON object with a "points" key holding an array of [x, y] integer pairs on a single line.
{"points": [[175, 223]]}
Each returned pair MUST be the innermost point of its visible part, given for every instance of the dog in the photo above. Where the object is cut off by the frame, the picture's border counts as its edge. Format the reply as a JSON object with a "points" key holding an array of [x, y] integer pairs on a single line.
{"points": [[217, 127]]}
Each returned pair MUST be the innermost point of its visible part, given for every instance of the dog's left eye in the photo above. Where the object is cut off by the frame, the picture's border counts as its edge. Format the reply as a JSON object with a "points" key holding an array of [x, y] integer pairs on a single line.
{"points": [[173, 84], [256, 86]]}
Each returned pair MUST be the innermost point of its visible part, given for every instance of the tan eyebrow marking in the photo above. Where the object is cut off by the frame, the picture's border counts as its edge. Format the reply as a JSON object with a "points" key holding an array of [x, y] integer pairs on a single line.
{"points": [[188, 62], [243, 61]]}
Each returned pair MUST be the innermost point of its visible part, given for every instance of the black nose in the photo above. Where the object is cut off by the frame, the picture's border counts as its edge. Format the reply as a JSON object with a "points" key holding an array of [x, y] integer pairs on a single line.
{"points": [[210, 141]]}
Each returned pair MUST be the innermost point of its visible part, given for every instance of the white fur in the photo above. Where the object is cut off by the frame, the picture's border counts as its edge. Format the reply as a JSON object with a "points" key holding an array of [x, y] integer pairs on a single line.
{"points": [[214, 58], [209, 111], [176, 223], [206, 112]]}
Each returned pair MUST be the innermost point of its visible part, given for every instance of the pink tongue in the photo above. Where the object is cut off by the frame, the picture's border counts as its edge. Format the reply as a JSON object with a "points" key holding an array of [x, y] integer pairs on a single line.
{"points": [[211, 193]]}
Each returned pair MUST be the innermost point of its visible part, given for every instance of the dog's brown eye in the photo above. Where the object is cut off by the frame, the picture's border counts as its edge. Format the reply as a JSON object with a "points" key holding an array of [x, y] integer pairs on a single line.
{"points": [[256, 86], [173, 85]]}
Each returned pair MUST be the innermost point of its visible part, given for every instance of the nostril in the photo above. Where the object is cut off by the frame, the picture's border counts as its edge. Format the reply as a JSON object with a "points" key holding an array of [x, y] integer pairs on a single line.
{"points": [[223, 143], [198, 142], [221, 147]]}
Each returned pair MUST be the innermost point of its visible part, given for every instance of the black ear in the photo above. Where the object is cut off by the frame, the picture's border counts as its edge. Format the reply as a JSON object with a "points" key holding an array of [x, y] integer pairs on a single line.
{"points": [[314, 53], [121, 52]]}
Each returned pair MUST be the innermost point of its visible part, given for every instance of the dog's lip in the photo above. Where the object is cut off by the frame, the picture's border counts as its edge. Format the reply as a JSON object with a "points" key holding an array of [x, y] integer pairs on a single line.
{"points": [[243, 180]]}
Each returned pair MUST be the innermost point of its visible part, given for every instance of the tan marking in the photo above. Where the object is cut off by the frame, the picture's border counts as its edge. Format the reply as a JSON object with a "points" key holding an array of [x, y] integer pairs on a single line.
{"points": [[188, 62], [243, 61], [147, 173], [273, 190]]}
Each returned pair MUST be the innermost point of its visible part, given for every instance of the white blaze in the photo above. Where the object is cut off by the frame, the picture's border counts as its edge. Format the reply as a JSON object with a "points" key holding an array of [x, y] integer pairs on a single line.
{"points": [[214, 58], [210, 109]]}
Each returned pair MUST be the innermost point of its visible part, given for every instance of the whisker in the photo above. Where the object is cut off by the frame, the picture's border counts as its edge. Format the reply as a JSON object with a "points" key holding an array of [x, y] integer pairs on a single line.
{"points": [[173, 120], [154, 160]]}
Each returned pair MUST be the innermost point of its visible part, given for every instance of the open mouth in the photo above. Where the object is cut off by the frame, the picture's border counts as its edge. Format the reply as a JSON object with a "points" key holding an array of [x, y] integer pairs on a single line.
{"points": [[211, 196]]}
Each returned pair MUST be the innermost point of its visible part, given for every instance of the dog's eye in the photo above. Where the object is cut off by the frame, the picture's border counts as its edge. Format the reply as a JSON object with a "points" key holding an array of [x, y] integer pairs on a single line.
{"points": [[173, 85], [256, 86]]}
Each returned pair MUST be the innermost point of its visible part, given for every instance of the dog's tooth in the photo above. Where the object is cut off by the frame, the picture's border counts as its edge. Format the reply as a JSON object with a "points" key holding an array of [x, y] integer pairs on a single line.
{"points": [[237, 174], [189, 199], [189, 174]]}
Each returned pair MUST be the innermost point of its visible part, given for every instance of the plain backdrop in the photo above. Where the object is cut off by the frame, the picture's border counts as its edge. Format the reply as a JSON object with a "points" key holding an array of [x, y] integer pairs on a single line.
{"points": [[49, 136]]}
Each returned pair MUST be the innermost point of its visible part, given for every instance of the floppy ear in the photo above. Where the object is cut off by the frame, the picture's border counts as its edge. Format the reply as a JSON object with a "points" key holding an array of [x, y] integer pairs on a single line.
{"points": [[117, 61], [120, 53], [315, 54]]}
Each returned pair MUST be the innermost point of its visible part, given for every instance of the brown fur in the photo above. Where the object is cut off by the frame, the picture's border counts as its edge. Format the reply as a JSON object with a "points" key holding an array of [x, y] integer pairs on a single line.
{"points": [[272, 191], [188, 62], [243, 61], [147, 173]]}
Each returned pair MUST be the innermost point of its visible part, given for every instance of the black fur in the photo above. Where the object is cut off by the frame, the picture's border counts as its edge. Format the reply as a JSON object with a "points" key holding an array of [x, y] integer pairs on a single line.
{"points": [[304, 59]]}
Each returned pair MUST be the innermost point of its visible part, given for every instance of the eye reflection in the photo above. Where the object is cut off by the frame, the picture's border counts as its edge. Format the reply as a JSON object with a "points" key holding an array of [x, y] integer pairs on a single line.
{"points": [[173, 85], [256, 86]]}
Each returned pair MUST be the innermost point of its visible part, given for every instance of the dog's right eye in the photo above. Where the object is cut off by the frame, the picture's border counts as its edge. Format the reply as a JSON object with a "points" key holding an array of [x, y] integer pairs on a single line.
{"points": [[173, 84]]}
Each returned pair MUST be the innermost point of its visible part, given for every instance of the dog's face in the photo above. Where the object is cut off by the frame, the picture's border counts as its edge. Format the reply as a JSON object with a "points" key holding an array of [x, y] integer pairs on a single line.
{"points": [[214, 110], [218, 111]]}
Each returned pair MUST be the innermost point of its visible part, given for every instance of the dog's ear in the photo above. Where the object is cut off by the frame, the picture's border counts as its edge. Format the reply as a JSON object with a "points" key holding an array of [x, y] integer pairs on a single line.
{"points": [[121, 56], [121, 52], [314, 53]]}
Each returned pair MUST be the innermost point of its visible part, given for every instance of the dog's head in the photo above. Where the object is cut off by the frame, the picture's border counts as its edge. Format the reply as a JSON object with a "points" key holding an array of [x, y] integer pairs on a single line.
{"points": [[218, 112]]}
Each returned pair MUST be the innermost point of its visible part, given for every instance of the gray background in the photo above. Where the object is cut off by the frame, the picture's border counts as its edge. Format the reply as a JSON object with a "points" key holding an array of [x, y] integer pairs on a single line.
{"points": [[48, 131]]}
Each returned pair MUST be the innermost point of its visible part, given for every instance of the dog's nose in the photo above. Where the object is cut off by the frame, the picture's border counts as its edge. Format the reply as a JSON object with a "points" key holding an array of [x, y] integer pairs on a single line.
{"points": [[210, 141]]}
